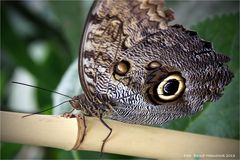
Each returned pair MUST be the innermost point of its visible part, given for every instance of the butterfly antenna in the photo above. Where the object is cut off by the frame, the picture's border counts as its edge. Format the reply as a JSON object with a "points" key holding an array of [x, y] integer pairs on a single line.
{"points": [[46, 109], [44, 89]]}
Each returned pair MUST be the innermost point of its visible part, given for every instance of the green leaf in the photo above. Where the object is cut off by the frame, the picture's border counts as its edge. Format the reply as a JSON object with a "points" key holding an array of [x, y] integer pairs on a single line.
{"points": [[16, 46], [72, 16], [9, 150], [223, 32], [219, 118]]}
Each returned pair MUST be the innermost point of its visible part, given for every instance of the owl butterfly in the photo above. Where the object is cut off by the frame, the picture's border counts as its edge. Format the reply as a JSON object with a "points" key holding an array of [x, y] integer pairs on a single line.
{"points": [[134, 68]]}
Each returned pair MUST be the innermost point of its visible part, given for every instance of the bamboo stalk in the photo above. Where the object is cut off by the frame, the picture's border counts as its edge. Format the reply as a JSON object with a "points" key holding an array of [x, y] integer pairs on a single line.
{"points": [[127, 139]]}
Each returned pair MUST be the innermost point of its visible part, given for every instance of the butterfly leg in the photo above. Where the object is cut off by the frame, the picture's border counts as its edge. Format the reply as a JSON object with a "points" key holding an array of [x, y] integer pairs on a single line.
{"points": [[110, 132], [69, 114]]}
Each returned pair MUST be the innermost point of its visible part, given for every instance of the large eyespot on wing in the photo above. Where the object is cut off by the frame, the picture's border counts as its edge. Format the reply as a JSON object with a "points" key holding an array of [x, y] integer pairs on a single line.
{"points": [[168, 89], [171, 87]]}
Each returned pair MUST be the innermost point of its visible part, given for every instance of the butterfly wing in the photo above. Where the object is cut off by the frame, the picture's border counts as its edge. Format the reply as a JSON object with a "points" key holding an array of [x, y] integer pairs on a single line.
{"points": [[143, 71], [112, 26]]}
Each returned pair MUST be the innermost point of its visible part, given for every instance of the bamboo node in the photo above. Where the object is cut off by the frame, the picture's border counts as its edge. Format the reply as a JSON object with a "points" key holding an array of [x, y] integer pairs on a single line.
{"points": [[81, 132]]}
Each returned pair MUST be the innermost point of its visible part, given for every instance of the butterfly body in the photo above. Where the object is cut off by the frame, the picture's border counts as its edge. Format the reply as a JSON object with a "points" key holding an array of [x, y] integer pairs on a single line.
{"points": [[135, 68]]}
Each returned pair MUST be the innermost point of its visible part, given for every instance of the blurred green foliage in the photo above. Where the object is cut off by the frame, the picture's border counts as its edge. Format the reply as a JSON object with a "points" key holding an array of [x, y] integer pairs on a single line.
{"points": [[59, 24]]}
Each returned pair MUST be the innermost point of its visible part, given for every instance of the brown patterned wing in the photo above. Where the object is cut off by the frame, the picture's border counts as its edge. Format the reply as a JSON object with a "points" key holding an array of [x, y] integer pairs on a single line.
{"points": [[113, 26]]}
